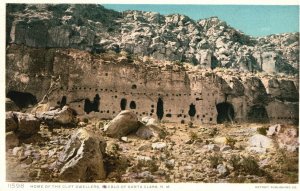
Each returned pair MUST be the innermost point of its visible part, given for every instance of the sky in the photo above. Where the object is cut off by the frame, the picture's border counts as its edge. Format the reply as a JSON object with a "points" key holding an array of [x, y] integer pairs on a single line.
{"points": [[254, 20]]}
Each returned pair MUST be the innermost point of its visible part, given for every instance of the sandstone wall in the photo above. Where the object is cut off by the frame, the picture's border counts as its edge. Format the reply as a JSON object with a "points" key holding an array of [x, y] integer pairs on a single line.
{"points": [[187, 93]]}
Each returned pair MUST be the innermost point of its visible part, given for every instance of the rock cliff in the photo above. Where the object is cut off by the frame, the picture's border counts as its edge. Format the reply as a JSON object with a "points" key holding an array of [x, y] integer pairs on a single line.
{"points": [[100, 62], [208, 43]]}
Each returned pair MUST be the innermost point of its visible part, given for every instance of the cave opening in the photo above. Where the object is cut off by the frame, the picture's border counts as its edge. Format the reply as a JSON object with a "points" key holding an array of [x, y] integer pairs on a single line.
{"points": [[123, 103], [22, 99], [192, 110], [63, 102], [225, 112], [258, 114], [160, 109], [132, 105], [133, 86], [92, 106]]}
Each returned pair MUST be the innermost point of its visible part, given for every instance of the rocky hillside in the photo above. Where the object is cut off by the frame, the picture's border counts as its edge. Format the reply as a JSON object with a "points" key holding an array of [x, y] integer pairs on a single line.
{"points": [[208, 43]]}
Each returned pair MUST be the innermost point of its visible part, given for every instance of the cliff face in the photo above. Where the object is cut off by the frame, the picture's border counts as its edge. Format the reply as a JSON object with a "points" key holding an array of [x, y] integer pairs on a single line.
{"points": [[208, 43], [90, 58]]}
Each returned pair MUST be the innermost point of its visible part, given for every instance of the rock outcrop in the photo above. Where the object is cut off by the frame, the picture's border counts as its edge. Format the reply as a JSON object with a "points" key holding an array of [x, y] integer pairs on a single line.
{"points": [[23, 124], [10, 105], [82, 158], [208, 43], [64, 116], [286, 137], [170, 68], [123, 124]]}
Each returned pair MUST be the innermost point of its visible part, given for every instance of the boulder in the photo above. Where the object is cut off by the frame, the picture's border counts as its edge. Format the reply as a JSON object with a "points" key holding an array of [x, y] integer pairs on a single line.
{"points": [[11, 140], [64, 116], [221, 140], [256, 150], [212, 147], [144, 147], [225, 148], [288, 139], [123, 124], [82, 157], [222, 170], [150, 128], [273, 130], [261, 141], [149, 121], [11, 105], [27, 124], [144, 132], [159, 145], [11, 122], [40, 108]]}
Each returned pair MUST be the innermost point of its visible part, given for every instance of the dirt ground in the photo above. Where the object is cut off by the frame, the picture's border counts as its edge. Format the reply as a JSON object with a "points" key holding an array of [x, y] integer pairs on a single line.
{"points": [[206, 153]]}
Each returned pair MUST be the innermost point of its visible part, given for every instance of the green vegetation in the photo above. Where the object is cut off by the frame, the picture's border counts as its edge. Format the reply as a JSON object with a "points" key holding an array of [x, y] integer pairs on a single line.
{"points": [[262, 130], [245, 165], [215, 160], [230, 141]]}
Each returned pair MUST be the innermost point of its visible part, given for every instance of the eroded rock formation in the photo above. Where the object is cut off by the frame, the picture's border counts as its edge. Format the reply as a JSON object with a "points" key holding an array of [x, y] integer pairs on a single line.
{"points": [[100, 62]]}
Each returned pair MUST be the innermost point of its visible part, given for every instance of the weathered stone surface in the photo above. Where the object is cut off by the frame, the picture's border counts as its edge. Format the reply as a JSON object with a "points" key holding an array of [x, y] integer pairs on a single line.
{"points": [[11, 140], [274, 130], [225, 148], [149, 121], [225, 65], [288, 138], [123, 124], [212, 147], [220, 140], [261, 150], [10, 105], [27, 124], [209, 42], [11, 122], [159, 145], [82, 157], [144, 132], [62, 116], [222, 170], [261, 141]]}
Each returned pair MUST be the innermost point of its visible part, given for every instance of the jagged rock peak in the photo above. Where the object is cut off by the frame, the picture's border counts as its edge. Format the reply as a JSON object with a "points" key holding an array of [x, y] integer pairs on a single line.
{"points": [[209, 43]]}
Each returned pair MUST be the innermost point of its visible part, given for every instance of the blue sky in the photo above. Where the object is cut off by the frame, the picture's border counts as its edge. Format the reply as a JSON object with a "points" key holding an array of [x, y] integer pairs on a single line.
{"points": [[254, 20]]}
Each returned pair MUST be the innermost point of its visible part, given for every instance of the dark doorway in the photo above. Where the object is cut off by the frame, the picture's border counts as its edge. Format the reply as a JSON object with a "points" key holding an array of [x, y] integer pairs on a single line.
{"points": [[132, 105], [160, 109], [123, 103], [192, 110], [258, 114], [92, 106], [133, 86], [22, 99], [225, 112], [63, 102]]}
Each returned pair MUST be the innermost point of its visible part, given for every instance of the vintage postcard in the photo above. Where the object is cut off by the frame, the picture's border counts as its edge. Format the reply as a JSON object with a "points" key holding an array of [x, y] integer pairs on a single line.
{"points": [[138, 96]]}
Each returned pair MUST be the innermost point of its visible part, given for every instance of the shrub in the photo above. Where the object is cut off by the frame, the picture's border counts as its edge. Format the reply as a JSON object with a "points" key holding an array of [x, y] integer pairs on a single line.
{"points": [[262, 130], [234, 161], [86, 120], [215, 160], [250, 166], [162, 134], [230, 141], [149, 165], [193, 136], [246, 165], [213, 132]]}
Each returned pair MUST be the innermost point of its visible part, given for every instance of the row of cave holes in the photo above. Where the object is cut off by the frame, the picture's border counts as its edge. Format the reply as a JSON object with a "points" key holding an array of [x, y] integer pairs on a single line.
{"points": [[84, 88], [225, 110], [134, 87]]}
